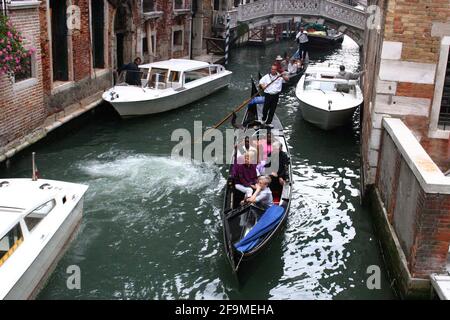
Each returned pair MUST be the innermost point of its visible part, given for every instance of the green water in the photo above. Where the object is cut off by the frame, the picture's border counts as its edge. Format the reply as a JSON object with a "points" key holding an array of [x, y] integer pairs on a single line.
{"points": [[151, 227]]}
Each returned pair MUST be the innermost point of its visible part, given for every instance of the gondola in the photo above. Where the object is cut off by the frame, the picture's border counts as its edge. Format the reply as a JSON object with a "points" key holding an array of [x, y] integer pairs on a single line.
{"points": [[293, 79], [247, 228]]}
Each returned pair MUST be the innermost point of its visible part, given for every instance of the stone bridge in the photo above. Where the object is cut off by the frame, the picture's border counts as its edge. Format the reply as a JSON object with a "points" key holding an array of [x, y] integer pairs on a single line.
{"points": [[342, 17]]}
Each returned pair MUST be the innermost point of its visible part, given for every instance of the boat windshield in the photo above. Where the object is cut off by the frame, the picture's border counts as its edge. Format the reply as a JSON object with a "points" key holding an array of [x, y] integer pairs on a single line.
{"points": [[329, 86], [9, 243], [133, 78], [158, 78]]}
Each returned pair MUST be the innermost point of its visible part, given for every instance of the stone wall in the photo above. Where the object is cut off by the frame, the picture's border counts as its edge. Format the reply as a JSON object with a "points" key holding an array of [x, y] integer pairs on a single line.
{"points": [[21, 104], [415, 196]]}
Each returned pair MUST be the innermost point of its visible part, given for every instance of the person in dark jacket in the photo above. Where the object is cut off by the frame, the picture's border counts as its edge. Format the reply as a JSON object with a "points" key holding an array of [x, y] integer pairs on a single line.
{"points": [[133, 75], [279, 171]]}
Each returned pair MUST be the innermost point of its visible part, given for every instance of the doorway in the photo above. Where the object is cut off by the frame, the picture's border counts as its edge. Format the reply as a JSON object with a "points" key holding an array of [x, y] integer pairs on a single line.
{"points": [[60, 55]]}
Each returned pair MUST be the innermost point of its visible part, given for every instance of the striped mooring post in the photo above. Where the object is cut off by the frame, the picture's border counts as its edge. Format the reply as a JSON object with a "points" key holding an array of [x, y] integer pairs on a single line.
{"points": [[227, 39]]}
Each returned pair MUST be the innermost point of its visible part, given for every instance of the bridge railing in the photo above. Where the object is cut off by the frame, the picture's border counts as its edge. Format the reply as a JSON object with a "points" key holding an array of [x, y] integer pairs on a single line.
{"points": [[263, 9]]}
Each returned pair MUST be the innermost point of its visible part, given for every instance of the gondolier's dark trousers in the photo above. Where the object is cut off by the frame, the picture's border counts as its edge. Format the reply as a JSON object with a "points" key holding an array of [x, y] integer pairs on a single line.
{"points": [[270, 105], [302, 50]]}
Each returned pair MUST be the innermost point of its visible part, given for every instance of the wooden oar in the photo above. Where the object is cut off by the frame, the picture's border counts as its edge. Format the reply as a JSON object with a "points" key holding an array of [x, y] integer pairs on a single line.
{"points": [[238, 108]]}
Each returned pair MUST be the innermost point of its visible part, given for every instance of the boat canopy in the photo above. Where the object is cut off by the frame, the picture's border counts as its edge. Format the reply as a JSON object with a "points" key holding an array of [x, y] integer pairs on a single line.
{"points": [[182, 65], [269, 220]]}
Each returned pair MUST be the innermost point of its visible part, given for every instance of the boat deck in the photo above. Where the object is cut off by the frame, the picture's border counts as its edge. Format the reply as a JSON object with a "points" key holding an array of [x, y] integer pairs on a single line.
{"points": [[441, 284]]}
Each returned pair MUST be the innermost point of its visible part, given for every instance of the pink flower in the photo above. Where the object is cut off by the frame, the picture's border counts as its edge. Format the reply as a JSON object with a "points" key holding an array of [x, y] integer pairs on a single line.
{"points": [[9, 34]]}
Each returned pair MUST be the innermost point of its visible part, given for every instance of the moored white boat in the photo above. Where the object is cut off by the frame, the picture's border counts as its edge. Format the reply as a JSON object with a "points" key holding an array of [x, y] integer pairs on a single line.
{"points": [[167, 85], [37, 221], [327, 100]]}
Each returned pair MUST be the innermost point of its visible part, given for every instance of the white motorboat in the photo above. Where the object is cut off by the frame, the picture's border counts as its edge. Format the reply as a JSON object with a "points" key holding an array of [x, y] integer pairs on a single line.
{"points": [[327, 100], [166, 85], [37, 221]]}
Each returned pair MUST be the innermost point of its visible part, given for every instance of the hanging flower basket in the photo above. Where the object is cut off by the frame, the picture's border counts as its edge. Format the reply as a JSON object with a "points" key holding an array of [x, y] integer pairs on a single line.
{"points": [[14, 58]]}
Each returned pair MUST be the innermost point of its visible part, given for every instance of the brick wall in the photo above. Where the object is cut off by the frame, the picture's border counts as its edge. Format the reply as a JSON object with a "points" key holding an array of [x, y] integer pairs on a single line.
{"points": [[432, 238], [84, 83], [410, 22], [403, 85], [421, 219], [163, 27], [21, 111], [81, 43]]}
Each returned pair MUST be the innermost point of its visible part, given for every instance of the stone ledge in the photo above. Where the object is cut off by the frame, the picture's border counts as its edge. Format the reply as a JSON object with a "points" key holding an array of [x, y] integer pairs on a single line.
{"points": [[18, 5], [430, 177], [51, 123]]}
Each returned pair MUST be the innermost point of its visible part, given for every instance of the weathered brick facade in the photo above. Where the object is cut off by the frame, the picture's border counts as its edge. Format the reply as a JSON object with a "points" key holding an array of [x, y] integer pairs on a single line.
{"points": [[401, 64], [410, 22], [26, 108], [83, 81], [21, 104], [401, 69], [163, 25]]}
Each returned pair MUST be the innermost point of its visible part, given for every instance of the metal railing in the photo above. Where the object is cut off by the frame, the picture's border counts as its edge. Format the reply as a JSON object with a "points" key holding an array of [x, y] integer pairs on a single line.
{"points": [[264, 9]]}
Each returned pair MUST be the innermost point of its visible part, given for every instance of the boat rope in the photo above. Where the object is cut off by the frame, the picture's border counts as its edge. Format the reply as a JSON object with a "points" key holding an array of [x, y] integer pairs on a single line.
{"points": [[242, 256]]}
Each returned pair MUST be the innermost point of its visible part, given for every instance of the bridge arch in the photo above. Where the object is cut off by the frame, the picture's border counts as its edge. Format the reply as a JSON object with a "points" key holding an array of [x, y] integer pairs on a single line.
{"points": [[345, 18]]}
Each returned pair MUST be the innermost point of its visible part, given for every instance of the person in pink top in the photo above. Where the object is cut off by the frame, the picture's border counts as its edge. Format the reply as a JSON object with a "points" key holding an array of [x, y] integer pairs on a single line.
{"points": [[265, 147]]}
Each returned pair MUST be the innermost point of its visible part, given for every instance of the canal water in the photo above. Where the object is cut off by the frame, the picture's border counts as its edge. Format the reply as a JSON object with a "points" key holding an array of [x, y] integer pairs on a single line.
{"points": [[151, 227]]}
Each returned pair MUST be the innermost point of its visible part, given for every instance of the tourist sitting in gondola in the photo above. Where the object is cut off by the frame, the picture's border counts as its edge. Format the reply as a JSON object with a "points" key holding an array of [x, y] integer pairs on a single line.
{"points": [[277, 165], [285, 62], [245, 147], [245, 174], [262, 197], [277, 63], [265, 147]]}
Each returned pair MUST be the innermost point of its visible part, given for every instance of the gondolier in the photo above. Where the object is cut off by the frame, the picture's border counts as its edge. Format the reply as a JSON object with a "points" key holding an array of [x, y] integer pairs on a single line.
{"points": [[271, 93], [303, 41]]}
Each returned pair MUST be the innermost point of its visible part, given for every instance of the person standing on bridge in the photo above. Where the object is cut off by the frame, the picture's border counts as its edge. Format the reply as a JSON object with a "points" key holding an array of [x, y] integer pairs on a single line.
{"points": [[271, 93]]}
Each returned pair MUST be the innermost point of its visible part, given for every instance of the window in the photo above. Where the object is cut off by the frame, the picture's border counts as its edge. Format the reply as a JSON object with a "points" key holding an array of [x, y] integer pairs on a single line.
{"points": [[158, 78], [98, 29], [216, 5], [36, 216], [144, 45], [59, 32], [26, 71], [174, 76], [148, 5], [320, 85], [444, 114], [440, 111], [10, 242], [195, 75], [213, 69], [178, 38], [178, 4]]}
